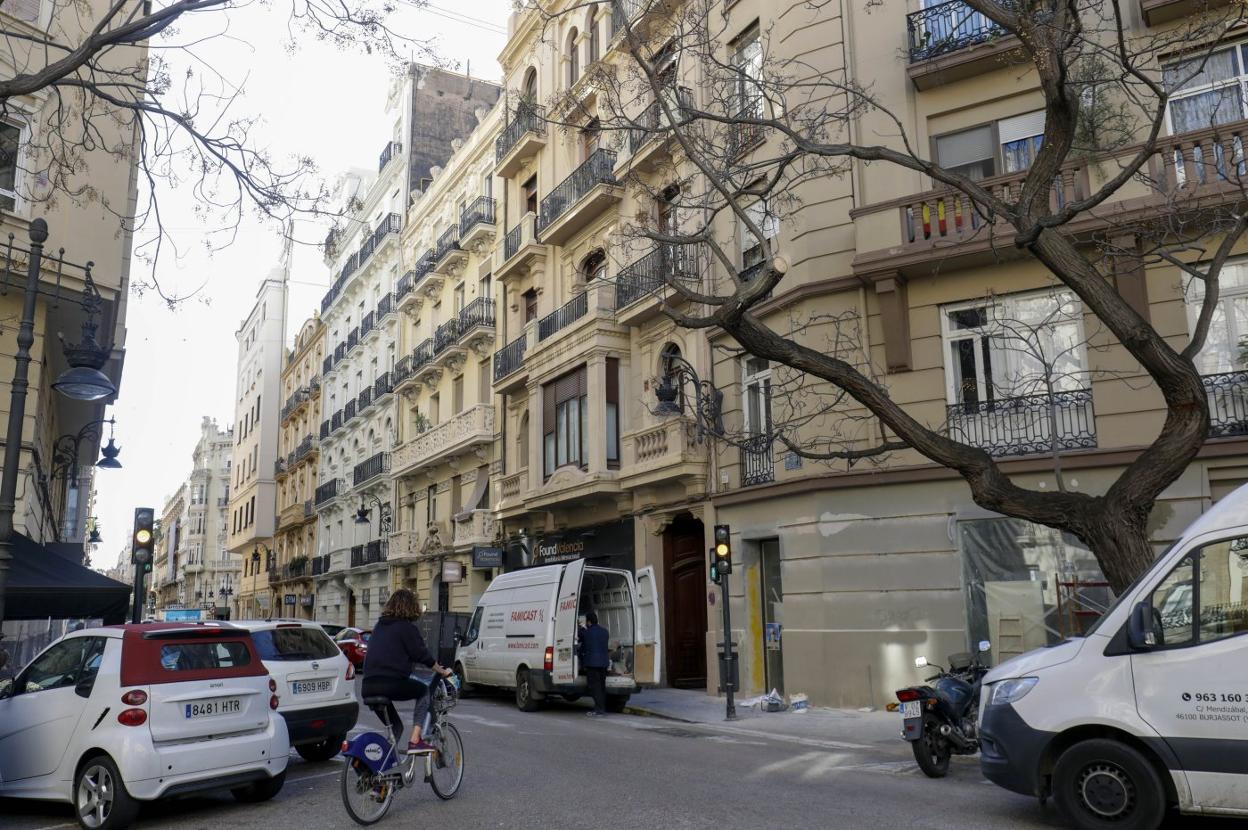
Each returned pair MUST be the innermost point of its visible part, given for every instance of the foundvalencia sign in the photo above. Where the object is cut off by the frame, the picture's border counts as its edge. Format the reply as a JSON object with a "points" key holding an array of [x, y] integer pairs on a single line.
{"points": [[483, 557], [609, 544]]}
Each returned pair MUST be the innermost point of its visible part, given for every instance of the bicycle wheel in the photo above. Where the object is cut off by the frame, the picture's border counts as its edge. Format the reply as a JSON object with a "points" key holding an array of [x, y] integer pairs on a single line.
{"points": [[448, 763], [366, 796]]}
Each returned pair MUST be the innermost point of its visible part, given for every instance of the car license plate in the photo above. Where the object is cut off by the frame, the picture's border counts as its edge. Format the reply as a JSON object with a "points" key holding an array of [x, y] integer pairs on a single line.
{"points": [[307, 687], [212, 708], [911, 709]]}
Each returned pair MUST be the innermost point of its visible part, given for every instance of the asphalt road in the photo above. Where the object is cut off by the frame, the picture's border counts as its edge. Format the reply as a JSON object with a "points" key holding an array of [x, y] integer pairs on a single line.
{"points": [[559, 769]]}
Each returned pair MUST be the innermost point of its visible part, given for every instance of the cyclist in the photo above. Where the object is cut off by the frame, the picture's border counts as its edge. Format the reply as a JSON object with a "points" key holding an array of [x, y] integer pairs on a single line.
{"points": [[394, 648]]}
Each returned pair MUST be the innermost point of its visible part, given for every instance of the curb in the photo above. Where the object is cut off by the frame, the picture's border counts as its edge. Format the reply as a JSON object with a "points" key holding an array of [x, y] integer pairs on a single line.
{"points": [[650, 713]]}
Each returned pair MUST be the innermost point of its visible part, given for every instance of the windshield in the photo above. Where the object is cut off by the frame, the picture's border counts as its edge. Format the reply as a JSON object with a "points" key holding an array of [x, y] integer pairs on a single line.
{"points": [[1130, 590], [293, 644]]}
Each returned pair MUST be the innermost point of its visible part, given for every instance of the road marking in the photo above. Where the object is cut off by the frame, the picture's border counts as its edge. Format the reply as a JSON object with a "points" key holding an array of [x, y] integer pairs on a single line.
{"points": [[754, 733], [54, 826], [484, 721]]}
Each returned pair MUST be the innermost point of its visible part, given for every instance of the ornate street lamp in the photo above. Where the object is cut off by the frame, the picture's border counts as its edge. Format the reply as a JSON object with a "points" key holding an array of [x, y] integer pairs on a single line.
{"points": [[363, 516], [83, 380], [707, 404]]}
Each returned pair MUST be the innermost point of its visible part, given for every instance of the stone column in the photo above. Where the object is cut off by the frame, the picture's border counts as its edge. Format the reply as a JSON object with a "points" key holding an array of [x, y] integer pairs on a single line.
{"points": [[596, 386]]}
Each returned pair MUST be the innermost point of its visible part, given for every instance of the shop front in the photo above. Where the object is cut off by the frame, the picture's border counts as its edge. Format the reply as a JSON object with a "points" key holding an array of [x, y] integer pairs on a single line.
{"points": [[606, 545]]}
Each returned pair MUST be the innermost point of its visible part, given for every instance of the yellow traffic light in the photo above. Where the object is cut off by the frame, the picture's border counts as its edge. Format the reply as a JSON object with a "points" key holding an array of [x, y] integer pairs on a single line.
{"points": [[143, 536], [723, 549]]}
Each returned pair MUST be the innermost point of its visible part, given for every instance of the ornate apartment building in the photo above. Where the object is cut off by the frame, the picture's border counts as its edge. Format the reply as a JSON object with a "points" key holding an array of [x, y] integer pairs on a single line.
{"points": [[290, 578], [431, 111]]}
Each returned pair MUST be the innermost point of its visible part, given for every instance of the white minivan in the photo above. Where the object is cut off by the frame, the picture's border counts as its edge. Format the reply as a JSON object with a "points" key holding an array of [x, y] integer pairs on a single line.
{"points": [[1148, 710], [523, 633]]}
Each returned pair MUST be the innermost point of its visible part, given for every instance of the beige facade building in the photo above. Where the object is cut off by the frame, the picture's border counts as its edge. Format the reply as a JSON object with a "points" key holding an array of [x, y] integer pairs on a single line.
{"points": [[291, 578]]}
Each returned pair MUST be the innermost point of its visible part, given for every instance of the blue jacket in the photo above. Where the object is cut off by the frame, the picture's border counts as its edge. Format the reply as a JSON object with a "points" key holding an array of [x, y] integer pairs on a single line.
{"points": [[394, 647], [594, 650]]}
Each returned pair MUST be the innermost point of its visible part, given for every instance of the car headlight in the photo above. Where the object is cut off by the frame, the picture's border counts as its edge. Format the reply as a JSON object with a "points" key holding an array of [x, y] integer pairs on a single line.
{"points": [[1009, 691]]}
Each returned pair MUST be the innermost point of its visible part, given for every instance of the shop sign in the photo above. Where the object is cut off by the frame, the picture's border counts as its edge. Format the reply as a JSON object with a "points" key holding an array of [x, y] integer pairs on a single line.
{"points": [[452, 571], [307, 600], [288, 599], [610, 544], [487, 557]]}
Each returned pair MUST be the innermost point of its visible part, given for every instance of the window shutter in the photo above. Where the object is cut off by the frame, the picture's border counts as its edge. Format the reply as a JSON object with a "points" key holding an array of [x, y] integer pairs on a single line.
{"points": [[613, 380], [965, 147], [548, 408], [1021, 126]]}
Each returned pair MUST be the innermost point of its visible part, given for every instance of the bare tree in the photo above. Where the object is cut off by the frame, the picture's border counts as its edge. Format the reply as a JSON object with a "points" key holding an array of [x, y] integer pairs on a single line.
{"points": [[95, 81], [764, 128]]}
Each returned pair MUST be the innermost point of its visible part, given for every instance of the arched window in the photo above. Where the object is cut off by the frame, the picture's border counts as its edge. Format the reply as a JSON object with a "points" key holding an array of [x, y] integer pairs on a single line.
{"points": [[523, 443], [669, 374], [591, 26], [528, 92], [594, 266], [574, 63]]}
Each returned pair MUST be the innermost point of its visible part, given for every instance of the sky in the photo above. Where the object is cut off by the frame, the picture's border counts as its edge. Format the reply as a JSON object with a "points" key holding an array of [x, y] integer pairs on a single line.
{"points": [[315, 100]]}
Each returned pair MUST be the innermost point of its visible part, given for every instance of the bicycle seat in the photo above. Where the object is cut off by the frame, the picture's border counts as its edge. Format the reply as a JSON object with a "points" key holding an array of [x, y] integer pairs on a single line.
{"points": [[375, 701]]}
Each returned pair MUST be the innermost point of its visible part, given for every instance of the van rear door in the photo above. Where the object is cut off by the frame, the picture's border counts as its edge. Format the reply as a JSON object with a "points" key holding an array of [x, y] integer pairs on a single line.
{"points": [[647, 651], [565, 663]]}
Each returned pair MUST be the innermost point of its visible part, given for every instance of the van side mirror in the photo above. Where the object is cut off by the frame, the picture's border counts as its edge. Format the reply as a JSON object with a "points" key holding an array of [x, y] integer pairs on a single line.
{"points": [[1140, 634]]}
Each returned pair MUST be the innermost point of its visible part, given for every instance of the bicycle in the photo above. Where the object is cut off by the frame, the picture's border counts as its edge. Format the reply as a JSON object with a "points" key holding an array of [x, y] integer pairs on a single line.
{"points": [[375, 770]]}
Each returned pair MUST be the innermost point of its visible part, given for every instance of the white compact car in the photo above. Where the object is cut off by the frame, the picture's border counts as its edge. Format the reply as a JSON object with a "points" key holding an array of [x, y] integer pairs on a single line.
{"points": [[107, 717], [315, 688]]}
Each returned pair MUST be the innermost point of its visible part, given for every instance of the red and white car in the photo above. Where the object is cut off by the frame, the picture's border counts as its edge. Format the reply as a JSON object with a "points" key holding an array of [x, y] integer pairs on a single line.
{"points": [[354, 644], [106, 718]]}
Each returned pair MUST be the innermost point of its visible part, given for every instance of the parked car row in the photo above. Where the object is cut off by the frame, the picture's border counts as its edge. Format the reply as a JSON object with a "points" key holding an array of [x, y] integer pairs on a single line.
{"points": [[106, 718]]}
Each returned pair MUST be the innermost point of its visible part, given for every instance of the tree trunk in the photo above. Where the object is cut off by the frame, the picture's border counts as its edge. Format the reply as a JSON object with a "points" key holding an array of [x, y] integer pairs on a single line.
{"points": [[1119, 540]]}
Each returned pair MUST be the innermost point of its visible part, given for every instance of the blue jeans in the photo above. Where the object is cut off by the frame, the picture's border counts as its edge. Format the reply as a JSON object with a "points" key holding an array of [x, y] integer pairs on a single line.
{"points": [[414, 687]]}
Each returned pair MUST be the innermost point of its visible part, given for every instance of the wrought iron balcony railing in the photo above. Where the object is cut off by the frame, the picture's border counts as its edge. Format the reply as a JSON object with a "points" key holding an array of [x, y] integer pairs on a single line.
{"points": [[370, 468], [340, 353], [652, 121], [563, 316], [305, 447], [327, 365], [382, 386], [1228, 403], [392, 150], [758, 462], [947, 27], [1024, 425], [404, 284], [598, 169], [511, 242], [385, 305], [369, 554], [480, 212], [366, 324], [447, 335], [654, 271], [325, 427], [479, 312], [365, 399], [447, 242], [320, 565], [510, 357], [328, 491], [422, 354], [402, 370], [526, 118], [349, 411], [353, 338], [336, 421]]}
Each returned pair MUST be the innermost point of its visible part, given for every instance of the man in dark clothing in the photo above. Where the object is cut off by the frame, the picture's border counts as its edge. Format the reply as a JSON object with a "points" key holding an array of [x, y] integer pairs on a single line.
{"points": [[595, 659]]}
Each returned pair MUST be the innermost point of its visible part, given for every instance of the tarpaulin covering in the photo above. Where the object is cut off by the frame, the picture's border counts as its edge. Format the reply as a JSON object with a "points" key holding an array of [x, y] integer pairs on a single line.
{"points": [[42, 584]]}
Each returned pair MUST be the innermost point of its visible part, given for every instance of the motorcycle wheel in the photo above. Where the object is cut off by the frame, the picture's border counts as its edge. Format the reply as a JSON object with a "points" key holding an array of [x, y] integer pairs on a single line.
{"points": [[932, 752]]}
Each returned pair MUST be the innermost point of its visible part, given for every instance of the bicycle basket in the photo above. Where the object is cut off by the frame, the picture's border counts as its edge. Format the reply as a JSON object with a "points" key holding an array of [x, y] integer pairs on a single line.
{"points": [[445, 698]]}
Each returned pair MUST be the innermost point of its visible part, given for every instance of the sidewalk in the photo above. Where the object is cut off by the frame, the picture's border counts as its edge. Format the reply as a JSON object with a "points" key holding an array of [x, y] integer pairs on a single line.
{"points": [[848, 726]]}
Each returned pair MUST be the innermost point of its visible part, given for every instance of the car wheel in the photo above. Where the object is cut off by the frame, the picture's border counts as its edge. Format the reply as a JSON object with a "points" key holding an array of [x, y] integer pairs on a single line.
{"points": [[616, 703], [527, 700], [1100, 784], [100, 798], [261, 790], [322, 750]]}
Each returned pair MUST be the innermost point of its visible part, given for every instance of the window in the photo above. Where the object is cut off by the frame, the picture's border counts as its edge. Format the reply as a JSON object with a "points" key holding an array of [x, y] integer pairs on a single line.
{"points": [[63, 665], [457, 394], [591, 27], [1207, 90], [595, 266], [1203, 599], [591, 138], [1013, 346], [457, 299], [1020, 138], [1229, 327], [457, 494], [752, 250], [1006, 146], [747, 60], [530, 305], [522, 443], [528, 92], [565, 422], [573, 52], [757, 385], [969, 153], [529, 191], [294, 644], [613, 412], [196, 656], [431, 504]]}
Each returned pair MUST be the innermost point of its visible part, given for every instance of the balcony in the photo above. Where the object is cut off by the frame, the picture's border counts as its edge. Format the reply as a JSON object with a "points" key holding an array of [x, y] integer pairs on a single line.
{"points": [[320, 565], [348, 412], [367, 325], [325, 430], [511, 490], [1228, 404], [1157, 12], [523, 137], [667, 452], [364, 400], [1024, 425], [470, 431], [649, 143], [336, 421], [449, 257], [951, 41], [340, 353], [327, 365], [385, 307], [521, 249], [382, 387], [424, 370], [509, 359], [353, 339], [476, 325], [372, 553], [392, 150], [280, 468], [478, 528], [306, 447], [477, 225], [758, 462], [296, 400], [371, 468], [388, 227], [402, 377], [579, 199], [562, 317], [404, 545], [643, 287], [329, 491]]}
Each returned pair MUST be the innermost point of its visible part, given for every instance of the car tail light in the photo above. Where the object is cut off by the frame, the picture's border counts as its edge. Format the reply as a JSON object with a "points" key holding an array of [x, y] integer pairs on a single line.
{"points": [[273, 702], [549, 662], [272, 685], [134, 697], [350, 671], [132, 717], [907, 695], [345, 746]]}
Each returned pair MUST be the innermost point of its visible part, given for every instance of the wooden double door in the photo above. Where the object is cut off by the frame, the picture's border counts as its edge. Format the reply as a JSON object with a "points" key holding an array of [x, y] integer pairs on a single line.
{"points": [[684, 602]]}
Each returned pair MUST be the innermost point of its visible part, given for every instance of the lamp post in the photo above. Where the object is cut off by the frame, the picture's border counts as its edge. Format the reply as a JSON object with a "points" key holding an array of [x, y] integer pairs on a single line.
{"points": [[82, 381], [66, 449], [362, 516], [708, 402]]}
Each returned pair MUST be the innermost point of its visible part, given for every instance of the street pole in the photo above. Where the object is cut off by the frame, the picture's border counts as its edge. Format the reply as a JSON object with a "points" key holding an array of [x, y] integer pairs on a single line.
{"points": [[730, 654], [17, 402], [136, 613]]}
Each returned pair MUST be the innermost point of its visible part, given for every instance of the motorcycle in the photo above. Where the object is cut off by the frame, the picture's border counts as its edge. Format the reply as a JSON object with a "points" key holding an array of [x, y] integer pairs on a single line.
{"points": [[939, 719]]}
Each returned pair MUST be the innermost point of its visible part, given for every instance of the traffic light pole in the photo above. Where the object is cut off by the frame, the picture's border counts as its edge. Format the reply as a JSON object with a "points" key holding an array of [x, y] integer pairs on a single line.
{"points": [[136, 613], [730, 653]]}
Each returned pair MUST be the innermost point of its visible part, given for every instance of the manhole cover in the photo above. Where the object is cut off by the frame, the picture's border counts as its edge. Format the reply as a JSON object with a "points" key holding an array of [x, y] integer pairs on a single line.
{"points": [[676, 732]]}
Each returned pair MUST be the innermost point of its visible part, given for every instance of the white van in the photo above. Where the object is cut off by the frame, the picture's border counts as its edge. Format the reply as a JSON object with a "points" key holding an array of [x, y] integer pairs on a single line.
{"points": [[1150, 709], [523, 634]]}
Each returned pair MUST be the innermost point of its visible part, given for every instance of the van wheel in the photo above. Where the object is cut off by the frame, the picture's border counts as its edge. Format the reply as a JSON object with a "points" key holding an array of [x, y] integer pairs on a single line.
{"points": [[100, 798], [260, 790], [527, 700], [616, 703], [465, 688], [1100, 784], [321, 750]]}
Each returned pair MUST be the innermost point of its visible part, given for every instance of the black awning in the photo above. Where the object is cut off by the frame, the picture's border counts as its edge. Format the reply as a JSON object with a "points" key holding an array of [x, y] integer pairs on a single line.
{"points": [[43, 585]]}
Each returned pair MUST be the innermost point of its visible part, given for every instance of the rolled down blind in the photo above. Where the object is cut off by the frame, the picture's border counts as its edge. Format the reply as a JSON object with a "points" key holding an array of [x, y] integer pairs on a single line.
{"points": [[965, 147], [1021, 126]]}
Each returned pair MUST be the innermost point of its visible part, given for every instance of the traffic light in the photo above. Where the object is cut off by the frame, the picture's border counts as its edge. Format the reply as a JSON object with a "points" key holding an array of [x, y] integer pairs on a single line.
{"points": [[715, 577], [723, 550], [144, 538]]}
